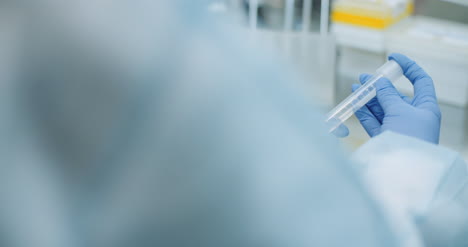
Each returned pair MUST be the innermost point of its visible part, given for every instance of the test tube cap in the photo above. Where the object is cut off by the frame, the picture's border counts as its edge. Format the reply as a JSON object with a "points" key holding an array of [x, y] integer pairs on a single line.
{"points": [[391, 70]]}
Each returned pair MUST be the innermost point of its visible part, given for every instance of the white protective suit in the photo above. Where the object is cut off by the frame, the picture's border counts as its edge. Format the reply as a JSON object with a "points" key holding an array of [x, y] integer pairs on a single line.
{"points": [[423, 188], [145, 123]]}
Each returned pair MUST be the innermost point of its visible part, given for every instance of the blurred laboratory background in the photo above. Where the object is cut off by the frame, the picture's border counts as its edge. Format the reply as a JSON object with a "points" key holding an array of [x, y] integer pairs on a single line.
{"points": [[331, 42], [130, 123]]}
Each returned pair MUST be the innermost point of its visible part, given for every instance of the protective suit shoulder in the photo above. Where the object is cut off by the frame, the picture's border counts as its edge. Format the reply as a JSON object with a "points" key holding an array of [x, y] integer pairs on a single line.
{"points": [[413, 179]]}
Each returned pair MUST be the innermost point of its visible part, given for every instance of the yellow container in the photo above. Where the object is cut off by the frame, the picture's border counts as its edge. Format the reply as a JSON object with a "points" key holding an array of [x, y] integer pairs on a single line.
{"points": [[377, 14]]}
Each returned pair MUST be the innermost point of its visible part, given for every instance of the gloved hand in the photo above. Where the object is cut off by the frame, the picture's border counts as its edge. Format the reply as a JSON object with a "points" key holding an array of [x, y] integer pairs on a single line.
{"points": [[417, 117]]}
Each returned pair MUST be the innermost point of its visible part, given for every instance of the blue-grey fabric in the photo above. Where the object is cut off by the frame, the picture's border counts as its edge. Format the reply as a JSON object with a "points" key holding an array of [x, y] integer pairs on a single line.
{"points": [[198, 139]]}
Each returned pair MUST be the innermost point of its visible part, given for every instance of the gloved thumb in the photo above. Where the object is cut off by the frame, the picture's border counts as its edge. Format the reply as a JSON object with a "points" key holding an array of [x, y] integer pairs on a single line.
{"points": [[387, 94], [341, 132]]}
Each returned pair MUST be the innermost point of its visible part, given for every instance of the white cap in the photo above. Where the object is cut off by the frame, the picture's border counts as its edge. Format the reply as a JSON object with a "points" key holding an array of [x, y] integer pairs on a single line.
{"points": [[391, 70]]}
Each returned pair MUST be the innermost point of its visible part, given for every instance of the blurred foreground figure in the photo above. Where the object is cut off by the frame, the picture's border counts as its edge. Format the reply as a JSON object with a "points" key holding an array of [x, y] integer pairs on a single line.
{"points": [[145, 123]]}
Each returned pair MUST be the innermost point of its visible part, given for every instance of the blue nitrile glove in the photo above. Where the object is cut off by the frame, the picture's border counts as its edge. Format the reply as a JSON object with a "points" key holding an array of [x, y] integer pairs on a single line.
{"points": [[417, 117]]}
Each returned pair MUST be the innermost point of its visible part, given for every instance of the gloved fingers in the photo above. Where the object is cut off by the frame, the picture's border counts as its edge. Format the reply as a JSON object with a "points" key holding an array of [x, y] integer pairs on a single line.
{"points": [[406, 99], [373, 104], [355, 86], [368, 121], [341, 131], [424, 91], [364, 77], [387, 95]]}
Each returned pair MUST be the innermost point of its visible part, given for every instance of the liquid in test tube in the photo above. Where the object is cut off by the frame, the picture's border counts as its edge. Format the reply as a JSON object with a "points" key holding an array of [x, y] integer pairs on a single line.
{"points": [[390, 70]]}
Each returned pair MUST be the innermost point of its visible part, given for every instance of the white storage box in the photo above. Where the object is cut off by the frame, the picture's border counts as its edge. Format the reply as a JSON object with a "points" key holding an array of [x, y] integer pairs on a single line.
{"points": [[367, 39]]}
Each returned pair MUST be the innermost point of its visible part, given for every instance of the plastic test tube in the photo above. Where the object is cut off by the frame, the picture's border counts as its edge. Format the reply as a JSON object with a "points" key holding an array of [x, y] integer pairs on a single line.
{"points": [[390, 70]]}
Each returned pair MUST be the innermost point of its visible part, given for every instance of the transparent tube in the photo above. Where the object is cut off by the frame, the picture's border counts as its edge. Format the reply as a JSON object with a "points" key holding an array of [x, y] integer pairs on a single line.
{"points": [[390, 70]]}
